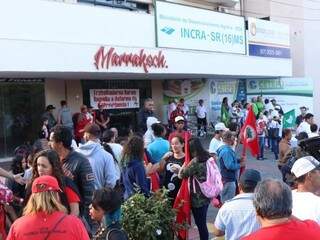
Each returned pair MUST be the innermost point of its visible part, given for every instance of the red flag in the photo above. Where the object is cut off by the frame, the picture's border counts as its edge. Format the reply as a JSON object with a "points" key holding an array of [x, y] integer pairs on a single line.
{"points": [[249, 134], [182, 201]]}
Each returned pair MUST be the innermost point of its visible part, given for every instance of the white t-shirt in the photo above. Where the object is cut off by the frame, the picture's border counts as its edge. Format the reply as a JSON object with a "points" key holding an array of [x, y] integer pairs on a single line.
{"points": [[214, 145], [306, 205], [117, 150], [185, 111], [303, 127], [171, 108], [201, 111]]}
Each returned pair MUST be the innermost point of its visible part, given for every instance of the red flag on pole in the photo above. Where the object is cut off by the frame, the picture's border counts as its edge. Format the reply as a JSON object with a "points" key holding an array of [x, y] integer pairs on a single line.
{"points": [[182, 202], [249, 134]]}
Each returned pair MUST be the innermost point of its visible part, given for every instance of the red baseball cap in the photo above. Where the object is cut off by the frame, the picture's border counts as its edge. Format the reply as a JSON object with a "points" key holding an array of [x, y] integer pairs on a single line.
{"points": [[45, 184]]}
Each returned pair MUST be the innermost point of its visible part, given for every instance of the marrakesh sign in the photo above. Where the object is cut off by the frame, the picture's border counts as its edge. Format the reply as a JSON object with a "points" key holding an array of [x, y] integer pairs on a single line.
{"points": [[105, 59]]}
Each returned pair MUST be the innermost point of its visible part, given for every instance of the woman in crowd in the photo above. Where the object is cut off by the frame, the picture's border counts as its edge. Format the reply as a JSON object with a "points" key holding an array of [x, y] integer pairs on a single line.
{"points": [[82, 120], [134, 174], [47, 162], [170, 166], [197, 169], [225, 111], [107, 201], [45, 217]]}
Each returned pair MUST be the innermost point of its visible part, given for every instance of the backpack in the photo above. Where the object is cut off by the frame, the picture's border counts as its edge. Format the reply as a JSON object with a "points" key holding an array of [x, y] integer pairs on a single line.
{"points": [[213, 184], [116, 233], [6, 195]]}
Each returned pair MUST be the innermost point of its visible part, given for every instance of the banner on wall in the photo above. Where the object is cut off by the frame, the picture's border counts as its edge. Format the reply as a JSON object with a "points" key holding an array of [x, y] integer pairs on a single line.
{"points": [[115, 98], [290, 93]]}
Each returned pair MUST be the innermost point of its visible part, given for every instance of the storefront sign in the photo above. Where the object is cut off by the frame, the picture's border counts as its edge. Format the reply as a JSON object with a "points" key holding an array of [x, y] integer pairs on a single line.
{"points": [[185, 27], [268, 39], [115, 98], [105, 59], [290, 93]]}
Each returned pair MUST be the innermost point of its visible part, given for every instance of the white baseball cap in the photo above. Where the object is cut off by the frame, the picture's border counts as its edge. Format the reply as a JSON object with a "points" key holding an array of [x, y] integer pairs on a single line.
{"points": [[304, 165], [220, 127], [178, 119]]}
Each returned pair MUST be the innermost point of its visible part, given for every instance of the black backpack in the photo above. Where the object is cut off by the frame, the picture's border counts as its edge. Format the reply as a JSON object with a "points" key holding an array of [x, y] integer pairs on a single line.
{"points": [[116, 233]]}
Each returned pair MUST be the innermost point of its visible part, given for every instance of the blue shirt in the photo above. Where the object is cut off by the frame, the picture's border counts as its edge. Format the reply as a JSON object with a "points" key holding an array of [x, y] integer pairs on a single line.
{"points": [[158, 148], [237, 217], [228, 163]]}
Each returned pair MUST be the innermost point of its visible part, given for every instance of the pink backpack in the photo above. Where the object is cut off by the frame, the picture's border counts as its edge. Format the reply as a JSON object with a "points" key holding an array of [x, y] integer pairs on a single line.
{"points": [[212, 187], [6, 195]]}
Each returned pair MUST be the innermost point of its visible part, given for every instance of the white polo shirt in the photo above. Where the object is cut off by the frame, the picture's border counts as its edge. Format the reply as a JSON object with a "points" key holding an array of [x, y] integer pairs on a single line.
{"points": [[201, 111]]}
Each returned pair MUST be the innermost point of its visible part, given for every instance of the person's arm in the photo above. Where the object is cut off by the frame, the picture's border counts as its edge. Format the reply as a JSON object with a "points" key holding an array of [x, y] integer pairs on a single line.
{"points": [[74, 209], [141, 179], [109, 172], [86, 181], [17, 177], [230, 161], [188, 171], [73, 200], [219, 226]]}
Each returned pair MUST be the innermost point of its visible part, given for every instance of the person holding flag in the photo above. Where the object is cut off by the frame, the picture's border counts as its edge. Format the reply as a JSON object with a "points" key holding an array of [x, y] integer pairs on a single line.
{"points": [[193, 198], [289, 119]]}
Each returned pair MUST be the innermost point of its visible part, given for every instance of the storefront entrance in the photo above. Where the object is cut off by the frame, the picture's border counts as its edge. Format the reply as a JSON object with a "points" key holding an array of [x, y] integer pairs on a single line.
{"points": [[21, 106], [123, 119]]}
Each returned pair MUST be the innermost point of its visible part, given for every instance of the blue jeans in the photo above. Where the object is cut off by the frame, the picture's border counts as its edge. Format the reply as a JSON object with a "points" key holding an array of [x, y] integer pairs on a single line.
{"points": [[261, 145], [275, 147], [200, 218], [228, 191]]}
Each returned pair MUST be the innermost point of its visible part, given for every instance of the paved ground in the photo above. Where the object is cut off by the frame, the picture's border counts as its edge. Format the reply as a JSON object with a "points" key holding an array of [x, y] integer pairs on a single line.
{"points": [[267, 168]]}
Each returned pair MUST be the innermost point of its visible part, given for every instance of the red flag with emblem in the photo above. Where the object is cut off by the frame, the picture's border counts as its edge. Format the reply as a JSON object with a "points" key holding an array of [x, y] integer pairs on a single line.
{"points": [[249, 134], [182, 202]]}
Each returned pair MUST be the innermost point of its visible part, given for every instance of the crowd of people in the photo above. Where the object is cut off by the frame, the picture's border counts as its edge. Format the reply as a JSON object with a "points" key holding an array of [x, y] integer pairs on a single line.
{"points": [[72, 181]]}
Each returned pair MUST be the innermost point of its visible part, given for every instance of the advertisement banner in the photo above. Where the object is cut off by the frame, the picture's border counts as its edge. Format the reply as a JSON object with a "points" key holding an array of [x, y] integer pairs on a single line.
{"points": [[185, 27], [290, 93], [268, 39], [115, 98]]}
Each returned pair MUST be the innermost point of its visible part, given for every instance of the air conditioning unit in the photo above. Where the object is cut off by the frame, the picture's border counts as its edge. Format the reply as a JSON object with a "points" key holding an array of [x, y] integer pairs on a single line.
{"points": [[225, 3]]}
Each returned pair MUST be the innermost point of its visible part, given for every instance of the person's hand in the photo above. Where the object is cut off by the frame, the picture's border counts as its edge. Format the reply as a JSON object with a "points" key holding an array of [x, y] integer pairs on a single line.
{"points": [[242, 161], [167, 156], [19, 179]]}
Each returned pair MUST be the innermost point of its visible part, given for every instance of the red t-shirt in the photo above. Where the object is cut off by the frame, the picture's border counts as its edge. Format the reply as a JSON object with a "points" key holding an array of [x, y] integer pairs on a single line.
{"points": [[182, 134], [37, 226], [71, 195], [292, 230]]}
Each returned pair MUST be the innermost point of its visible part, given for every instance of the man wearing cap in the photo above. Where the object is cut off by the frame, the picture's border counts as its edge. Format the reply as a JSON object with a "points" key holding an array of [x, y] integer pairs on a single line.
{"points": [[106, 171], [216, 141], [300, 118], [237, 217], [177, 112], [306, 205], [45, 217], [149, 137], [179, 123], [49, 115], [306, 123]]}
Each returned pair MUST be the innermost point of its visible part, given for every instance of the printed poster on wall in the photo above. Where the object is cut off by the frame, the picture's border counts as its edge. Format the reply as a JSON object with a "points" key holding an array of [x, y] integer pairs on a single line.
{"points": [[290, 93], [115, 98]]}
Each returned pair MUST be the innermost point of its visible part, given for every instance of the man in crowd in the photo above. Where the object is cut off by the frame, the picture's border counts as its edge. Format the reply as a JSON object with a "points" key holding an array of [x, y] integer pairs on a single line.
{"points": [[216, 141], [177, 112], [106, 171], [148, 136], [284, 147], [185, 109], [65, 115], [273, 204], [306, 123], [144, 113], [306, 205], [109, 138], [49, 115], [277, 106], [159, 146], [102, 117], [74, 166], [229, 166], [179, 123], [303, 112], [201, 113], [314, 131], [237, 217]]}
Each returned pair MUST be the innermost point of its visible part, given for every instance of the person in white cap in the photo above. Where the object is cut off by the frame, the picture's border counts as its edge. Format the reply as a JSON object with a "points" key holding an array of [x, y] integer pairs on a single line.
{"points": [[216, 141], [179, 123], [306, 205], [149, 137]]}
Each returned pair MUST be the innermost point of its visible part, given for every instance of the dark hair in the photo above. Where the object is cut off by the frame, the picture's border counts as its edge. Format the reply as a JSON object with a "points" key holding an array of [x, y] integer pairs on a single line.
{"points": [[107, 198], [273, 199], [314, 127], [308, 116], [196, 150], [158, 129], [302, 136], [62, 134], [286, 132], [248, 187], [266, 101], [133, 149], [93, 129], [63, 103], [301, 179], [107, 135], [54, 161], [181, 140], [233, 127], [225, 100], [107, 148], [147, 100], [16, 165], [40, 145], [200, 101]]}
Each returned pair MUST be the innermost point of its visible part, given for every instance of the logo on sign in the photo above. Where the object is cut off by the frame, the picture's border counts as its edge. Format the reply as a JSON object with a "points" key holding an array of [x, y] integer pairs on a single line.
{"points": [[167, 30], [104, 59]]}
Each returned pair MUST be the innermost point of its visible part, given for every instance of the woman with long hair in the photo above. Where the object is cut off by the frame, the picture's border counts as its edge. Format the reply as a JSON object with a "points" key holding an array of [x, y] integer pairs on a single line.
{"points": [[47, 162], [197, 169], [225, 111], [134, 173], [45, 217], [170, 166]]}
